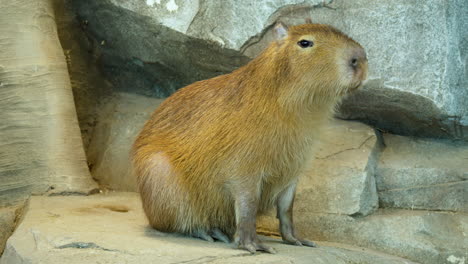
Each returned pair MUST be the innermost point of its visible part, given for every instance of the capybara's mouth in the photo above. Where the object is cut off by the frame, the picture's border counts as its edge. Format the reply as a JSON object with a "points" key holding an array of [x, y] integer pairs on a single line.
{"points": [[354, 88]]}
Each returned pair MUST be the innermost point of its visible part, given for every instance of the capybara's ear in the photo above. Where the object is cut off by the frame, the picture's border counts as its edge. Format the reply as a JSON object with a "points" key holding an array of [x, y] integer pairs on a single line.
{"points": [[281, 31]]}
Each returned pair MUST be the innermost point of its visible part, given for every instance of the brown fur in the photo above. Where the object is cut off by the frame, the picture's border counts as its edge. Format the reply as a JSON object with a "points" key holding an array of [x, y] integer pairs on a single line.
{"points": [[248, 131]]}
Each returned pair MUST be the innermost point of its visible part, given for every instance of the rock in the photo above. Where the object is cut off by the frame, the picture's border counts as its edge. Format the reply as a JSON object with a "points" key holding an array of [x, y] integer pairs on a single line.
{"points": [[434, 72], [109, 118], [8, 217], [341, 177], [120, 120], [421, 236], [140, 55], [444, 197], [423, 174], [229, 23], [41, 149], [112, 229], [89, 87], [155, 47], [400, 112]]}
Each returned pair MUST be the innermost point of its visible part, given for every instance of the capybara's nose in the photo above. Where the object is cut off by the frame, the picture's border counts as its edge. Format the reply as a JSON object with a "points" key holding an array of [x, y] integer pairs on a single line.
{"points": [[358, 56]]}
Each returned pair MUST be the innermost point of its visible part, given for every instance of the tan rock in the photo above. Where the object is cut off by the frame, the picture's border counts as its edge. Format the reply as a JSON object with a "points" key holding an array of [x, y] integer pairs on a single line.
{"points": [[113, 229], [118, 123], [40, 142], [341, 177], [423, 174], [8, 217], [423, 236]]}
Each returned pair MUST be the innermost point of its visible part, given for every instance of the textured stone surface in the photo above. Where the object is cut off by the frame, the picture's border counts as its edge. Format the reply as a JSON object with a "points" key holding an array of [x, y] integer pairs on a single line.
{"points": [[423, 174], [422, 236], [400, 112], [341, 177], [398, 50], [40, 143], [8, 217], [445, 197], [140, 55], [90, 88], [155, 47], [120, 120], [112, 229], [229, 23]]}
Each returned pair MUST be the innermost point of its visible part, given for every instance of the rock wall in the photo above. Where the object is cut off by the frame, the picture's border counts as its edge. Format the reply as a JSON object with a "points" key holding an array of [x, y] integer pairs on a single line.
{"points": [[394, 193], [41, 148], [41, 151], [423, 174], [366, 186]]}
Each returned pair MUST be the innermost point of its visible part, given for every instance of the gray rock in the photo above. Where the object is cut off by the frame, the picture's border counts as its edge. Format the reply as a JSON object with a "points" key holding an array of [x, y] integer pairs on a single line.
{"points": [[41, 149], [399, 53], [422, 236], [141, 55], [120, 120], [444, 197], [341, 177], [112, 229], [228, 23], [89, 87], [233, 23], [423, 174], [400, 112]]}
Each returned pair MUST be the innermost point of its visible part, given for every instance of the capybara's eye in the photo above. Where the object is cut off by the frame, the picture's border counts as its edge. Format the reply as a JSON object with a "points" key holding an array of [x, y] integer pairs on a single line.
{"points": [[305, 43]]}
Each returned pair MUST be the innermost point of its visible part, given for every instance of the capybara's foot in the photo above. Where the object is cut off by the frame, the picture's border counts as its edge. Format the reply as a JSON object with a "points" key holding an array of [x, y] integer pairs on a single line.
{"points": [[251, 243], [212, 235], [299, 242]]}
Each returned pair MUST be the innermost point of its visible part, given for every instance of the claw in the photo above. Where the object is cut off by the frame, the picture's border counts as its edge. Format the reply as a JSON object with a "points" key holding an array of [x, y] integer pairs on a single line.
{"points": [[301, 242], [254, 245], [219, 235], [203, 235], [308, 243], [267, 249], [251, 248]]}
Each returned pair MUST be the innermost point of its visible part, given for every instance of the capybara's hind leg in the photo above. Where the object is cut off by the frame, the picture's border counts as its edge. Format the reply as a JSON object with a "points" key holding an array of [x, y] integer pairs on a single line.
{"points": [[161, 195]]}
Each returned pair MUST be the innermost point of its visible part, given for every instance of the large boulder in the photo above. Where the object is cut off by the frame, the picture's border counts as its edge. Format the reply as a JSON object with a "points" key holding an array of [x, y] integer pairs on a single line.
{"points": [[112, 228], [423, 174], [417, 52], [120, 120], [340, 178]]}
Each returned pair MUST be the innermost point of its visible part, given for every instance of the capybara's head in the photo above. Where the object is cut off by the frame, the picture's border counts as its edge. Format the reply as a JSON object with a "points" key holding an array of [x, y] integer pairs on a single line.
{"points": [[321, 61]]}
